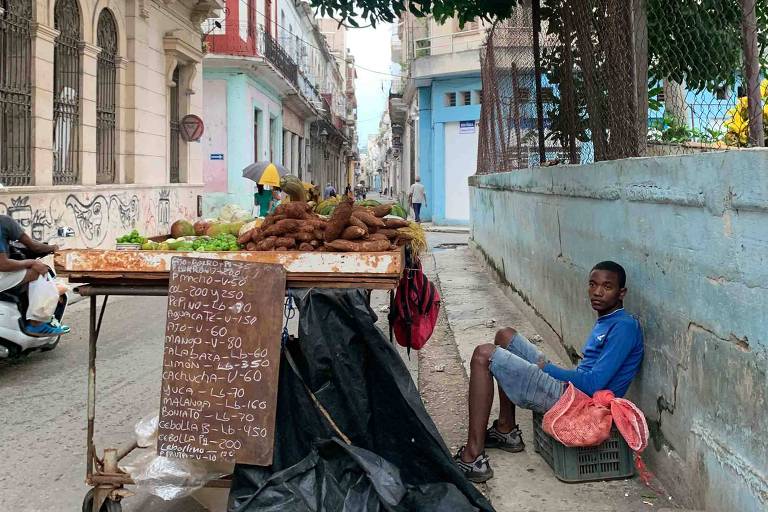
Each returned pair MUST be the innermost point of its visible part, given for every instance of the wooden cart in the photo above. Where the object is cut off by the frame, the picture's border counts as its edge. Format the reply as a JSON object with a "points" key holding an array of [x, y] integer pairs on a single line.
{"points": [[146, 273]]}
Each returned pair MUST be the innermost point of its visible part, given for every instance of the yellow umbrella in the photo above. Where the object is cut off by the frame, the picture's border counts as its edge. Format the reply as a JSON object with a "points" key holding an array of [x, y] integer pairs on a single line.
{"points": [[270, 176], [265, 173]]}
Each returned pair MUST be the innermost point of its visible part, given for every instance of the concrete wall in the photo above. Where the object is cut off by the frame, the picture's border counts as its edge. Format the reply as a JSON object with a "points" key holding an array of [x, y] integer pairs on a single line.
{"points": [[99, 214], [692, 232]]}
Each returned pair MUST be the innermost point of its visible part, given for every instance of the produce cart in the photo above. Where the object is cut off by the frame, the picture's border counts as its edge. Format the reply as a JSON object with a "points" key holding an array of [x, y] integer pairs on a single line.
{"points": [[146, 273]]}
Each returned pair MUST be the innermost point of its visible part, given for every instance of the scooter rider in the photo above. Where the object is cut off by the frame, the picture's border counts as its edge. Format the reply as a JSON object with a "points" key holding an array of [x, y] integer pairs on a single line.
{"points": [[15, 272]]}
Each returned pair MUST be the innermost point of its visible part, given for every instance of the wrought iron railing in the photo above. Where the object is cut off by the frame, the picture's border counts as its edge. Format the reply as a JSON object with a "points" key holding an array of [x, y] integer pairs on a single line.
{"points": [[279, 58], [106, 99], [16, 93], [66, 91]]}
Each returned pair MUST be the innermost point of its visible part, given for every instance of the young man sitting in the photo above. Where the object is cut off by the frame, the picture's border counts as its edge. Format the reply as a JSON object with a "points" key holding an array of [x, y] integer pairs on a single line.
{"points": [[612, 356]]}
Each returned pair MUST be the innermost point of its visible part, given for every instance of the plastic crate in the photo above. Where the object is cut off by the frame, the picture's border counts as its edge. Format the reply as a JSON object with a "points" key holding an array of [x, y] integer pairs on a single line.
{"points": [[610, 460]]}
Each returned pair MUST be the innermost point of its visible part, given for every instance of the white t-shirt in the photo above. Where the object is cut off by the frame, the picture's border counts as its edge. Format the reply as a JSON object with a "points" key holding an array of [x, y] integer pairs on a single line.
{"points": [[417, 193]]}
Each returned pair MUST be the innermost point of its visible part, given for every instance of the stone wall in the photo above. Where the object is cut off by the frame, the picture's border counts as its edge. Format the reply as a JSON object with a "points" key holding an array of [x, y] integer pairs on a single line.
{"points": [[98, 215], [692, 232]]}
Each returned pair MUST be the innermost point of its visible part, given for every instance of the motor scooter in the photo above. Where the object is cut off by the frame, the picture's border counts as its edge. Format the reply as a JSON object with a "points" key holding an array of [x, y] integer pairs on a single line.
{"points": [[14, 341]]}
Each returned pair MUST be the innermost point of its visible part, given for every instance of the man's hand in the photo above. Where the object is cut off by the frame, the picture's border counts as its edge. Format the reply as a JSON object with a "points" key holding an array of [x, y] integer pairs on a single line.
{"points": [[39, 267], [542, 362]]}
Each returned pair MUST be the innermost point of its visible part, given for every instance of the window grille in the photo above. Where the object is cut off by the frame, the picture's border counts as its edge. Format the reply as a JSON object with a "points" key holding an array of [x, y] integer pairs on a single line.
{"points": [[15, 92], [66, 93], [106, 85]]}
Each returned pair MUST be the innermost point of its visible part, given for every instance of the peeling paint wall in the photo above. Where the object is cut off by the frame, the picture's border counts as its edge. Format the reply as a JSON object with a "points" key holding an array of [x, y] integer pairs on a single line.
{"points": [[692, 232], [98, 215]]}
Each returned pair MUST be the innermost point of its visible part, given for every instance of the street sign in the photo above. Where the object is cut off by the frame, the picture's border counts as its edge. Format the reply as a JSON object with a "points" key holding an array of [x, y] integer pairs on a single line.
{"points": [[221, 360], [217, 156], [466, 127], [191, 128]]}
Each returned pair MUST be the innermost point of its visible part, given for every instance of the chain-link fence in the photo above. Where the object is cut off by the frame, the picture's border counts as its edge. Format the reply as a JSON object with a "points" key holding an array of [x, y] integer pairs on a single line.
{"points": [[577, 81]]}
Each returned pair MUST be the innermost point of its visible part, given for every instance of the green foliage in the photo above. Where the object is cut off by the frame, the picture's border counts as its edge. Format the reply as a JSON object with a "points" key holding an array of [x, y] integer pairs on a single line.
{"points": [[374, 11], [552, 62], [670, 129], [653, 98], [699, 42]]}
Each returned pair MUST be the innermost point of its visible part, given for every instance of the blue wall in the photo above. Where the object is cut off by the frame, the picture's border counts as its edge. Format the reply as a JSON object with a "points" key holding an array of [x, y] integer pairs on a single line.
{"points": [[692, 233], [244, 95], [433, 114]]}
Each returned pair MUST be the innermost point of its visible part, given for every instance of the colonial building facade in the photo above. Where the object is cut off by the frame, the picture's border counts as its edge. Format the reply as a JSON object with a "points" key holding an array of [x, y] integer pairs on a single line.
{"points": [[276, 90], [91, 96]]}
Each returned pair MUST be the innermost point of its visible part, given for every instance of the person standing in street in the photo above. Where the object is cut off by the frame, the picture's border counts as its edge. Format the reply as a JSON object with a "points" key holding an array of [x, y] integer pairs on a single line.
{"points": [[417, 196], [329, 191], [262, 198]]}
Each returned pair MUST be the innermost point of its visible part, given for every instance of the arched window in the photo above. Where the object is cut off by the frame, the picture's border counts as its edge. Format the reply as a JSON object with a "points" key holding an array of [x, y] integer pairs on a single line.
{"points": [[15, 92], [106, 87], [175, 128], [66, 93]]}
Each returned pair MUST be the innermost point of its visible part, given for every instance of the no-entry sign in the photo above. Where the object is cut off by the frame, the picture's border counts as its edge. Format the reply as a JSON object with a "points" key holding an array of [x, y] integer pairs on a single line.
{"points": [[192, 128]]}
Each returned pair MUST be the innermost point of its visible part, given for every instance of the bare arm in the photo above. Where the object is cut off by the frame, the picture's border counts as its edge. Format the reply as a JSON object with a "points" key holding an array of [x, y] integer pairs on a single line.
{"points": [[35, 246], [9, 265]]}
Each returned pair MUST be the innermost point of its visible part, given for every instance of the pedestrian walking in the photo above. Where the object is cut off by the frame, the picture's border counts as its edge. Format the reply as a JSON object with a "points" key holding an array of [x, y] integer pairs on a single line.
{"points": [[329, 191], [417, 197]]}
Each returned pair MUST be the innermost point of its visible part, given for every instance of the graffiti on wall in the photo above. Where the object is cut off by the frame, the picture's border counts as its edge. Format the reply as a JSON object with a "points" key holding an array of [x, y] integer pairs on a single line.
{"points": [[97, 219], [93, 217], [164, 208], [37, 222]]}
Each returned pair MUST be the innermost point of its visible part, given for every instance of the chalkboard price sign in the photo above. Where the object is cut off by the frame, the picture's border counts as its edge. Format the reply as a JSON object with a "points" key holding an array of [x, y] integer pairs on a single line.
{"points": [[221, 360]]}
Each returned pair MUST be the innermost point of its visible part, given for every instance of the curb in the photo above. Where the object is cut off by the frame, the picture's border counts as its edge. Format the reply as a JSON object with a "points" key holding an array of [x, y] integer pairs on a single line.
{"points": [[446, 229]]}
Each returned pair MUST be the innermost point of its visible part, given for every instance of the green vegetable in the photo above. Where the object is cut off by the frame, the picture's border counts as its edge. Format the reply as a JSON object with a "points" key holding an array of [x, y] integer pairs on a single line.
{"points": [[221, 242], [132, 238]]}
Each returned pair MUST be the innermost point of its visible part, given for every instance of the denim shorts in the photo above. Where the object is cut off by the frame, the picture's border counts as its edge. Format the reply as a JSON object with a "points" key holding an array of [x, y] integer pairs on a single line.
{"points": [[522, 380]]}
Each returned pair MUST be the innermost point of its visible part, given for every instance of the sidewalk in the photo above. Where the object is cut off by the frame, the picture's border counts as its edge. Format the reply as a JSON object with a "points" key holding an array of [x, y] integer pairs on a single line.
{"points": [[474, 307]]}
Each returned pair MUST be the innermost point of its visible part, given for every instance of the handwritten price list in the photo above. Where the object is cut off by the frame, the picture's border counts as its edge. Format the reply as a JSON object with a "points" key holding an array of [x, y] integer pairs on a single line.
{"points": [[221, 360]]}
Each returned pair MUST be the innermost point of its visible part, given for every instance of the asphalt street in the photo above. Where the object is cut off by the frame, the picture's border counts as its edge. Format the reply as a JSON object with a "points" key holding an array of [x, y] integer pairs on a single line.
{"points": [[43, 403]]}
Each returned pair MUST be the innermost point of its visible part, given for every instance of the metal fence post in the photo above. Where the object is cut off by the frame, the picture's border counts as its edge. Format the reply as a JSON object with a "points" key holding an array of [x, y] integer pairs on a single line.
{"points": [[536, 18], [752, 72]]}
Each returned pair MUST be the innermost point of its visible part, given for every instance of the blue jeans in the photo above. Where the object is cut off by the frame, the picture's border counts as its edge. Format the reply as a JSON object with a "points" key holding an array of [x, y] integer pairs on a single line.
{"points": [[522, 380], [417, 211]]}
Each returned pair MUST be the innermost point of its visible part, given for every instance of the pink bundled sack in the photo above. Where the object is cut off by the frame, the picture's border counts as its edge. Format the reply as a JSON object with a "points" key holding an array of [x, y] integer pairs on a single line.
{"points": [[578, 420]]}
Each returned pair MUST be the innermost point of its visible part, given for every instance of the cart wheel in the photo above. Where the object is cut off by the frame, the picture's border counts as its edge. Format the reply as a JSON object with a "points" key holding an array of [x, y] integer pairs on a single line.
{"points": [[108, 506]]}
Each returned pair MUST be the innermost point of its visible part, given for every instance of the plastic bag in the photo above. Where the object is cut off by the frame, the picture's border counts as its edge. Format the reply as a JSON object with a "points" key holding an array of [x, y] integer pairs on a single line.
{"points": [[43, 298], [170, 478], [62, 286], [167, 477], [233, 213], [146, 431]]}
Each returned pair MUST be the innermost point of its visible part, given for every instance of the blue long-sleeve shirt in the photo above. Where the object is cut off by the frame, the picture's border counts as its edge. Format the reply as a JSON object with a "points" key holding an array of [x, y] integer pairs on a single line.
{"points": [[612, 356]]}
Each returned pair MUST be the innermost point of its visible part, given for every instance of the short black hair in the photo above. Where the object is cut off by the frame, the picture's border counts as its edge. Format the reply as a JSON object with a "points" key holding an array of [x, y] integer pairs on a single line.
{"points": [[612, 266]]}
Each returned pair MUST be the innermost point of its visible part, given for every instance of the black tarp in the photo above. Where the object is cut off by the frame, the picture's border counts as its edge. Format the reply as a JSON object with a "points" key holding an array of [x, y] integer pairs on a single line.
{"points": [[397, 460]]}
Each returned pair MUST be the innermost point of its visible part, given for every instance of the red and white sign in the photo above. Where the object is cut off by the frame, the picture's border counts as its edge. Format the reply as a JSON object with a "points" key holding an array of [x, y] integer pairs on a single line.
{"points": [[192, 128]]}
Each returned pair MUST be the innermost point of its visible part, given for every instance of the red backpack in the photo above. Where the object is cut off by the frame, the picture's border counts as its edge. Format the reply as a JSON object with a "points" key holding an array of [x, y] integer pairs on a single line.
{"points": [[414, 309]]}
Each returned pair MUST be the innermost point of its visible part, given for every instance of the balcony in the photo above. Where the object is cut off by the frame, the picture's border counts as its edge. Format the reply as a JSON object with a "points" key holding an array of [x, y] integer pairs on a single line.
{"points": [[450, 43], [279, 58]]}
